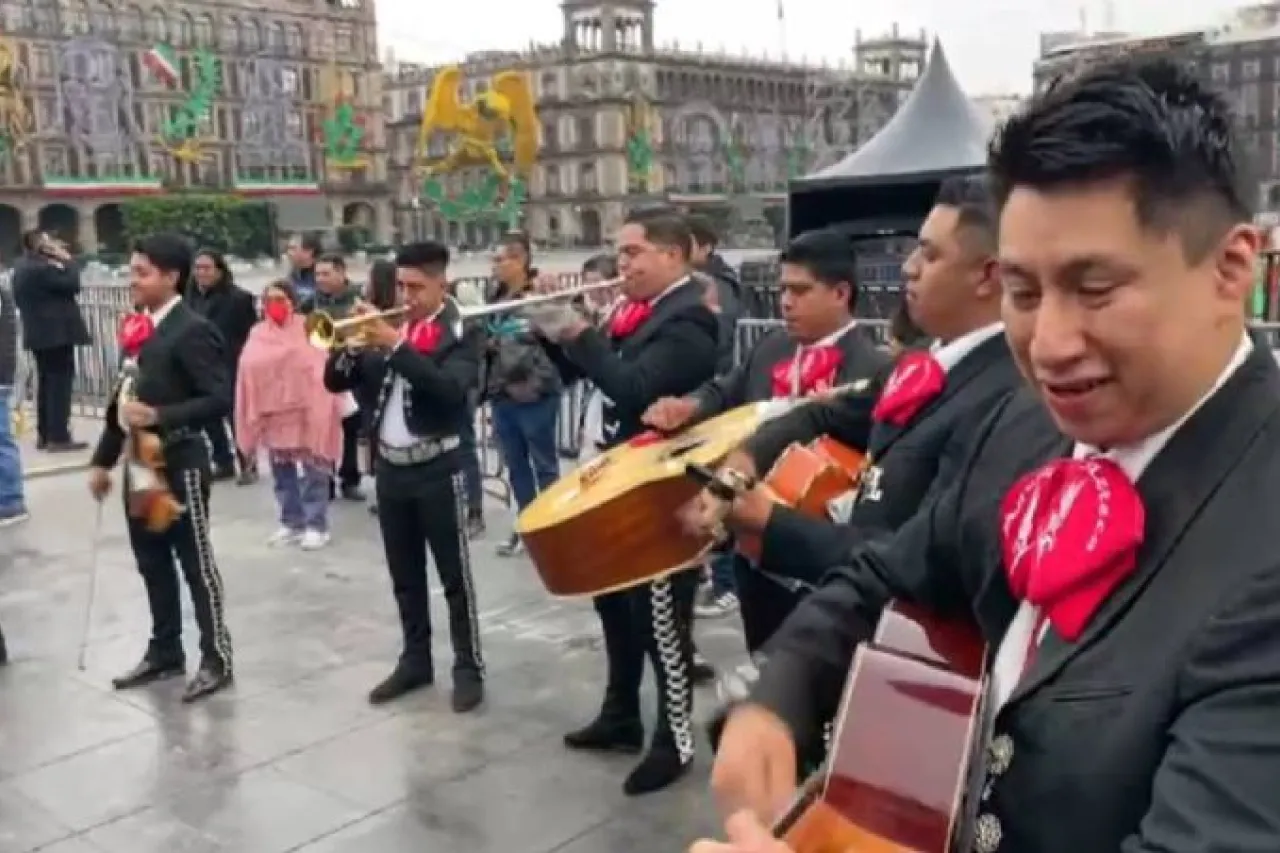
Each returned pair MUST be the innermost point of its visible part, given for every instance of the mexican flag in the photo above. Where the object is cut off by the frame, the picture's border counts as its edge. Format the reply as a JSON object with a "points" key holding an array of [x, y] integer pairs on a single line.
{"points": [[161, 62]]}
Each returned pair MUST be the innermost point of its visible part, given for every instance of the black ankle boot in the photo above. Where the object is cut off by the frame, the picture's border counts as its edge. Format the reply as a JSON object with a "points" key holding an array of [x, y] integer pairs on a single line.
{"points": [[661, 766], [608, 733]]}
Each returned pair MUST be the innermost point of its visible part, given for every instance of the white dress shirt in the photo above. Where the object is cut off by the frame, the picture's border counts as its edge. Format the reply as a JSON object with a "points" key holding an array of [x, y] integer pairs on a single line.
{"points": [[394, 430], [1012, 655], [830, 340], [950, 354]]}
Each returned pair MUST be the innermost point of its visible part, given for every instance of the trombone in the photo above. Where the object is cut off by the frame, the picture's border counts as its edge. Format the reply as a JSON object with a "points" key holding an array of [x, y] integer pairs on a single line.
{"points": [[324, 332]]}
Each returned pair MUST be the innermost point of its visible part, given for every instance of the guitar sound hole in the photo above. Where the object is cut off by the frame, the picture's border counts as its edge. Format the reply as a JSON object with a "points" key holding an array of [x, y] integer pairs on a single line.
{"points": [[688, 447]]}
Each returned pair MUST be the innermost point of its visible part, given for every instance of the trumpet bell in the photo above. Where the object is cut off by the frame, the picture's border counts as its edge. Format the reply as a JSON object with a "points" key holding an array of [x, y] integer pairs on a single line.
{"points": [[324, 332], [321, 333]]}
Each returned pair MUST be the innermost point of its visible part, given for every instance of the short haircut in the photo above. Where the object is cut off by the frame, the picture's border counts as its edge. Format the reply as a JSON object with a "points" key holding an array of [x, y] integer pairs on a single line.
{"points": [[828, 255], [971, 197], [311, 241], [429, 256], [1146, 121], [703, 231], [167, 252], [664, 226], [519, 240], [382, 284], [333, 259], [605, 266]]}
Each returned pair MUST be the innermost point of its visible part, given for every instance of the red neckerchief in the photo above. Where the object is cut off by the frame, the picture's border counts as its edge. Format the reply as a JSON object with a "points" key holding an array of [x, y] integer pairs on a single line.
{"points": [[915, 382], [628, 317], [1071, 532], [135, 330], [811, 370]]}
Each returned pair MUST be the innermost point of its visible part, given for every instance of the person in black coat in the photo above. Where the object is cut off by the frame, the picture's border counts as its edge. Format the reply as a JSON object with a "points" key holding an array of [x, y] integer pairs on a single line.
{"points": [[660, 342], [953, 292], [214, 295], [46, 284], [1112, 535]]}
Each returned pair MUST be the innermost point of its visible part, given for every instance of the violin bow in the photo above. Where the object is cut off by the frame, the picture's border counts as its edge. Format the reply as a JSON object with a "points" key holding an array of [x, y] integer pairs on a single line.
{"points": [[94, 553]]}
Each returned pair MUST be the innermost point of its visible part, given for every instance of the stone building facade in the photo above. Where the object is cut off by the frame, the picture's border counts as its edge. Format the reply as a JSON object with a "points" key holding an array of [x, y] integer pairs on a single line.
{"points": [[728, 131], [105, 100]]}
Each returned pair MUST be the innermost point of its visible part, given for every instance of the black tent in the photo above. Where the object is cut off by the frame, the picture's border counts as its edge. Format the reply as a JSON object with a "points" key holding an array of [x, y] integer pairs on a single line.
{"points": [[888, 185]]}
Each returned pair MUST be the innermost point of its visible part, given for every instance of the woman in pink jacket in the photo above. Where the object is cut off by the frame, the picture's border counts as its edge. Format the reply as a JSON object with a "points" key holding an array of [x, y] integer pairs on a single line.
{"points": [[283, 408]]}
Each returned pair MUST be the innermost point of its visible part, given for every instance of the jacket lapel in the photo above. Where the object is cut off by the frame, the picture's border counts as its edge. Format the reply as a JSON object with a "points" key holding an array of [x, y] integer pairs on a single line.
{"points": [[669, 304], [1174, 489]]}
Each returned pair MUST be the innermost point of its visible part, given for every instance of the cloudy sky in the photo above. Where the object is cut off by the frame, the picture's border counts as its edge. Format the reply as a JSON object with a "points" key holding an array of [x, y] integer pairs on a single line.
{"points": [[991, 43]]}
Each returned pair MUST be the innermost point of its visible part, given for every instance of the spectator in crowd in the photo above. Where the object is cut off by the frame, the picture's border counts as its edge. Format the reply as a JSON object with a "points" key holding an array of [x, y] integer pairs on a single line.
{"points": [[214, 295], [46, 284], [336, 296], [304, 250], [13, 509], [598, 305], [523, 385], [728, 295], [283, 408]]}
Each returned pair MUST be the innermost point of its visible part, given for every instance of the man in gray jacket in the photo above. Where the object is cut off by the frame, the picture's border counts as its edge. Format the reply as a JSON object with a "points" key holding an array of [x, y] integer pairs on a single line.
{"points": [[523, 384]]}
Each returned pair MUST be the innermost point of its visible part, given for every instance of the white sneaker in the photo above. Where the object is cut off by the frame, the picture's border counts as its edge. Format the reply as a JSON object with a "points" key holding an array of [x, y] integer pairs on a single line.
{"points": [[283, 538], [314, 540]]}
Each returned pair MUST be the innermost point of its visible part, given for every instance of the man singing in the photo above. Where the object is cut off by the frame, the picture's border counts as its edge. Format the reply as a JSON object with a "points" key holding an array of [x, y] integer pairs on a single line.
{"points": [[174, 381], [1112, 534], [421, 378], [661, 342]]}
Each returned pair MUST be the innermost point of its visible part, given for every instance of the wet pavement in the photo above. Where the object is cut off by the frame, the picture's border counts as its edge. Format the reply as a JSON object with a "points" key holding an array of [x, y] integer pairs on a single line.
{"points": [[293, 758]]}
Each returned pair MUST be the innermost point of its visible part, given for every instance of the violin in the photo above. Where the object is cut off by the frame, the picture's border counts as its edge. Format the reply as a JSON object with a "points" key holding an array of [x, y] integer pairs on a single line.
{"points": [[148, 497]]}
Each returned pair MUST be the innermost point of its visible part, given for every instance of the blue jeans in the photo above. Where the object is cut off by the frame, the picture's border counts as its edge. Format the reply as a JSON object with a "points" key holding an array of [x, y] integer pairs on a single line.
{"points": [[723, 568], [11, 499], [471, 464], [527, 435], [302, 491]]}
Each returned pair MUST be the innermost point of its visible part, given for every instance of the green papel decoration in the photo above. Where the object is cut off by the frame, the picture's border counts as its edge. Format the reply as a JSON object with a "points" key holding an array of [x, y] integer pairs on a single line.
{"points": [[484, 201]]}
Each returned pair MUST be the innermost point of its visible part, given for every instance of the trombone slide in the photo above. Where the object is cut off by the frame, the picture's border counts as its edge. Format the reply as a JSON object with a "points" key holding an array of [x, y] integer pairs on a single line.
{"points": [[469, 312]]}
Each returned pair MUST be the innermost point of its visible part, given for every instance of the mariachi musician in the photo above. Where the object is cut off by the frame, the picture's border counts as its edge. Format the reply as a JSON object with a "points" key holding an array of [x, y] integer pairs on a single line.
{"points": [[1112, 534], [821, 347], [920, 426], [421, 376], [661, 341], [175, 380]]}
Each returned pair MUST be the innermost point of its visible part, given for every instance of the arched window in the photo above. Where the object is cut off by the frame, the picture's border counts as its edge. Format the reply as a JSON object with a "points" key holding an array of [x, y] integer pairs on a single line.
{"points": [[203, 31], [103, 19], [230, 34], [251, 36], [158, 26]]}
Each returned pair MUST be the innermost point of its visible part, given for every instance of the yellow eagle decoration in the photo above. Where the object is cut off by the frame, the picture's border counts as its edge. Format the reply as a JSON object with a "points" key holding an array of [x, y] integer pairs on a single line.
{"points": [[505, 109]]}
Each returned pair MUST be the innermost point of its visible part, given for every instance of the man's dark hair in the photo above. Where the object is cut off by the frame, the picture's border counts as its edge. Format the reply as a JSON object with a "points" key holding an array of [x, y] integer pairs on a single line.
{"points": [[971, 197], [703, 231], [605, 266], [663, 226], [429, 256], [168, 252], [31, 239], [333, 259], [828, 255], [312, 242], [382, 284], [1147, 121]]}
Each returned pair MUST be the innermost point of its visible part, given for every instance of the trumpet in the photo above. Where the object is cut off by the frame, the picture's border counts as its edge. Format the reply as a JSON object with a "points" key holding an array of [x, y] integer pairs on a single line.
{"points": [[324, 332], [469, 312]]}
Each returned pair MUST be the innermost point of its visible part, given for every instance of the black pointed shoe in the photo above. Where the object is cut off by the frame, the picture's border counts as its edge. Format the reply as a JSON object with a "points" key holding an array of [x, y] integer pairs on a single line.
{"points": [[605, 734], [403, 679], [148, 671], [208, 680], [659, 769], [468, 691]]}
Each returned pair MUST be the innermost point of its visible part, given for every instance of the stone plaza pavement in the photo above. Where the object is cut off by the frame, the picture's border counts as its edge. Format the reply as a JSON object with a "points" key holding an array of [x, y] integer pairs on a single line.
{"points": [[293, 758]]}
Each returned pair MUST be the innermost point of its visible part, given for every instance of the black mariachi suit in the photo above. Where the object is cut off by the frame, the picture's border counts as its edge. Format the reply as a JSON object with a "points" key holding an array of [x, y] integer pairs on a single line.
{"points": [[423, 504], [763, 600], [670, 354], [1155, 731], [181, 371]]}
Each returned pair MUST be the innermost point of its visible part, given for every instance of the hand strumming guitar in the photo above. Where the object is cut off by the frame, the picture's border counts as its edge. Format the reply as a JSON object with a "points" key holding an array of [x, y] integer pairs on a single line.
{"points": [[746, 834], [755, 766], [670, 413]]}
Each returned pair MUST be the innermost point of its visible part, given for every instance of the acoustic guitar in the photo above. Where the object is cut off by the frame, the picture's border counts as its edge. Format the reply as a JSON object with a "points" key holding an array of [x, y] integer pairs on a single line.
{"points": [[612, 523], [901, 762], [807, 478]]}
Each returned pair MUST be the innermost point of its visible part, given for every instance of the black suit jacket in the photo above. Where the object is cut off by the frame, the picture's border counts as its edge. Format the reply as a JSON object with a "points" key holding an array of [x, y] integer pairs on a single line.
{"points": [[752, 380], [908, 463], [437, 405], [232, 312], [46, 294], [181, 372], [671, 354], [1156, 731]]}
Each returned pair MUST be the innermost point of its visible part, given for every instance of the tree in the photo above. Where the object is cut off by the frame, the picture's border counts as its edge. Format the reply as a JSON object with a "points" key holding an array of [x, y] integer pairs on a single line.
{"points": [[226, 223]]}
